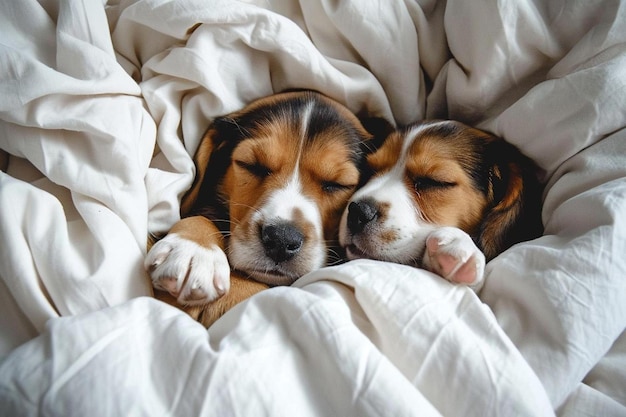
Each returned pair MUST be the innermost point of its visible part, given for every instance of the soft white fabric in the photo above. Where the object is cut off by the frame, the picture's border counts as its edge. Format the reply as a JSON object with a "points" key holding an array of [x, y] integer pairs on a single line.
{"points": [[101, 106], [353, 346]]}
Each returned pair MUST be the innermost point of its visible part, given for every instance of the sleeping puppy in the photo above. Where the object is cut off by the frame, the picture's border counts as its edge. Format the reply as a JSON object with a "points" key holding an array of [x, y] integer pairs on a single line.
{"points": [[271, 184], [445, 197]]}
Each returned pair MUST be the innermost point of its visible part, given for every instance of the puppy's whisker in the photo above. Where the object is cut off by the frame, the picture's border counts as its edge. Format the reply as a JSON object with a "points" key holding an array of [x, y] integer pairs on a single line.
{"points": [[334, 257], [333, 251], [218, 233], [247, 206], [235, 122], [226, 221], [335, 262]]}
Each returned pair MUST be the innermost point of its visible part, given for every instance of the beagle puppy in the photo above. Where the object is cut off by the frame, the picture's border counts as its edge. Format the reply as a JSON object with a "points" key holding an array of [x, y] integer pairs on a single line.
{"points": [[445, 197], [271, 184]]}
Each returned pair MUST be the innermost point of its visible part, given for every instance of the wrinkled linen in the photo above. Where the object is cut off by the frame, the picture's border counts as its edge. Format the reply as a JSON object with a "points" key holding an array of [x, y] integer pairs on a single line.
{"points": [[101, 108]]}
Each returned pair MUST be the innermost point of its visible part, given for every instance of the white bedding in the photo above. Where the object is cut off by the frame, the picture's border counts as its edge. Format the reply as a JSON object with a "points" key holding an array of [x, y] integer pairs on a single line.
{"points": [[101, 106]]}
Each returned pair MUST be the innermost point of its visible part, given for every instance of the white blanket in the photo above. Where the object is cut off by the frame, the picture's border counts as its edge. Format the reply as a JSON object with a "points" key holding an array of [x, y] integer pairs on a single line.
{"points": [[101, 108]]}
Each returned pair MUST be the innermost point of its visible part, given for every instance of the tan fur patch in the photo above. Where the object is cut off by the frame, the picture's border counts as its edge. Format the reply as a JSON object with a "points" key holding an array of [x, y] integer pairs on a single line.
{"points": [[387, 155], [461, 204], [329, 178], [274, 149]]}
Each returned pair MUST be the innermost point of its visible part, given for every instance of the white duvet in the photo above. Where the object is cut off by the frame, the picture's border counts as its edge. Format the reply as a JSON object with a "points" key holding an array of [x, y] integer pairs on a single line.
{"points": [[101, 106]]}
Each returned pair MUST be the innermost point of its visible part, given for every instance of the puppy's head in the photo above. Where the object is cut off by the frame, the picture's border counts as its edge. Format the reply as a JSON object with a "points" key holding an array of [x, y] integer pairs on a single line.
{"points": [[280, 173], [441, 174]]}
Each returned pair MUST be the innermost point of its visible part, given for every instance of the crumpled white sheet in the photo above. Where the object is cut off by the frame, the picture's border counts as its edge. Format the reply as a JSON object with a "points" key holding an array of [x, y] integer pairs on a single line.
{"points": [[354, 346], [101, 107]]}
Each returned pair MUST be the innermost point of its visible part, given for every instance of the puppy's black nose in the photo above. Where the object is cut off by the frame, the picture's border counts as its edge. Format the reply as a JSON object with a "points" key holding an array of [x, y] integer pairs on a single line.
{"points": [[360, 214], [281, 241]]}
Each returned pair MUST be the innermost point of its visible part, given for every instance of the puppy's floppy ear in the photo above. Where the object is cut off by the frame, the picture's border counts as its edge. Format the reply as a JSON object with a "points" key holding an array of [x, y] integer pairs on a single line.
{"points": [[514, 193], [211, 160], [379, 128]]}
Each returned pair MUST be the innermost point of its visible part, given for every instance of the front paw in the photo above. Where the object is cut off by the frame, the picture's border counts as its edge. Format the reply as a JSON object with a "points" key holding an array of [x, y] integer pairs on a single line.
{"points": [[190, 272], [452, 254]]}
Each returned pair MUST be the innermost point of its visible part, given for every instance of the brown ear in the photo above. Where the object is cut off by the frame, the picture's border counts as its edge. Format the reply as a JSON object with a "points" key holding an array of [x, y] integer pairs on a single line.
{"points": [[201, 161], [514, 191], [211, 160]]}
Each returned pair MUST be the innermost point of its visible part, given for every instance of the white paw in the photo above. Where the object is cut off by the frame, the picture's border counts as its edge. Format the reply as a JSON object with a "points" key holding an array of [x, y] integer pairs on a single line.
{"points": [[190, 272], [452, 254]]}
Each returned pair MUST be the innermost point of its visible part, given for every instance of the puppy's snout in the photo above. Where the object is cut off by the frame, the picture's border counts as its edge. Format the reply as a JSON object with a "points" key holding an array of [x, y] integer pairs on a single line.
{"points": [[360, 214], [281, 241]]}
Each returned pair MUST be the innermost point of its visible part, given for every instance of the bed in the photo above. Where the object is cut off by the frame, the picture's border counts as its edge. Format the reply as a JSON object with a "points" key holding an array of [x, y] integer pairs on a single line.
{"points": [[102, 105]]}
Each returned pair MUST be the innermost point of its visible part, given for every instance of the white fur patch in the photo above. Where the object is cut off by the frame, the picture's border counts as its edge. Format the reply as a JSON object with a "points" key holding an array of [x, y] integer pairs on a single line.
{"points": [[402, 218], [247, 252], [286, 204], [190, 272]]}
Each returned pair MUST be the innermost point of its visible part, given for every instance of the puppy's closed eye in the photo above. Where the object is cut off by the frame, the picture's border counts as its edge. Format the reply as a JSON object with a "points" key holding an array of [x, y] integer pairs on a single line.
{"points": [[331, 187], [421, 184], [255, 168]]}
